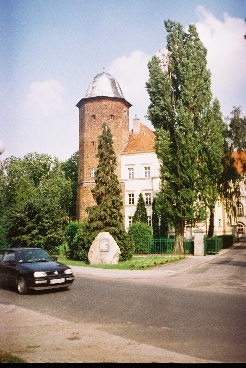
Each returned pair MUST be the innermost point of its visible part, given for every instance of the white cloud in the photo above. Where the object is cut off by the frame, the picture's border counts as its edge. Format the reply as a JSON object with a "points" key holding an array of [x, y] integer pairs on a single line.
{"points": [[226, 57], [226, 60], [44, 98], [132, 74]]}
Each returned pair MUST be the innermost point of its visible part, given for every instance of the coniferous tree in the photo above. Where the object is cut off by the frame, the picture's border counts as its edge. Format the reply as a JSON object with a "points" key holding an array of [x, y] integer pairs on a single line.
{"points": [[159, 221], [180, 109], [140, 214], [106, 215], [155, 220]]}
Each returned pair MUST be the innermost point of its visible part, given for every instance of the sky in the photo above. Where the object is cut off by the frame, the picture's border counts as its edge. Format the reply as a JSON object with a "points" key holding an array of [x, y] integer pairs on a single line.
{"points": [[50, 51]]}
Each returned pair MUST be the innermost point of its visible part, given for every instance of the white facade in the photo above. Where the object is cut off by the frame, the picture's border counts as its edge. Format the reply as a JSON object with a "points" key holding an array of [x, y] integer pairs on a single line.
{"points": [[140, 173]]}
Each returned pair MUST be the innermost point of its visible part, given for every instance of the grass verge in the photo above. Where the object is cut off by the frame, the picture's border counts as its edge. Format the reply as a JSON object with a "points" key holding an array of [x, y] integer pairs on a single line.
{"points": [[142, 262], [9, 358]]}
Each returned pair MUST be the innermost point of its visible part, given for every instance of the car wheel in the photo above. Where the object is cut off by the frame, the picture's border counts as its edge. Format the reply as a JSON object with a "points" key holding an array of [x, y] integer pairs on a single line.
{"points": [[22, 288]]}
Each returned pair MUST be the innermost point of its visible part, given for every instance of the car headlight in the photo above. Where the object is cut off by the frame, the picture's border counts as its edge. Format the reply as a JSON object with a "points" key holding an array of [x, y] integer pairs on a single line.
{"points": [[68, 271], [40, 274]]}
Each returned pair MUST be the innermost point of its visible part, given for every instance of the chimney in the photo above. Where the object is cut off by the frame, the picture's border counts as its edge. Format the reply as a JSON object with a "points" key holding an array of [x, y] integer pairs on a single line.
{"points": [[136, 125]]}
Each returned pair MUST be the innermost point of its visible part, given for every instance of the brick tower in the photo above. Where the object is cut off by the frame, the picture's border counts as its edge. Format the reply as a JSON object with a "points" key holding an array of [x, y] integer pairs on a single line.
{"points": [[103, 102]]}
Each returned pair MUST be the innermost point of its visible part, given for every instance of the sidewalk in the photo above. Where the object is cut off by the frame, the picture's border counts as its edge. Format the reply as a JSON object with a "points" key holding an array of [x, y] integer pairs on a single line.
{"points": [[164, 270]]}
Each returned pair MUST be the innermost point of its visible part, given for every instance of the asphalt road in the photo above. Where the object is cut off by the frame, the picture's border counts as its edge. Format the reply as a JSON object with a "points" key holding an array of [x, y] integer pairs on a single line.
{"points": [[170, 316]]}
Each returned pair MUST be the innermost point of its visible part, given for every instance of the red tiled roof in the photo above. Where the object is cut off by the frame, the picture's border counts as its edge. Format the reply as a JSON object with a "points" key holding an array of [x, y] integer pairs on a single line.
{"points": [[141, 142], [239, 159]]}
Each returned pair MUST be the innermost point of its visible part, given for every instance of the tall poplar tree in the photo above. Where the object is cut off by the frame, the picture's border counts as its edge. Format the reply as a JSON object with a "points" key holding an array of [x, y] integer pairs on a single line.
{"points": [[180, 110], [106, 215]]}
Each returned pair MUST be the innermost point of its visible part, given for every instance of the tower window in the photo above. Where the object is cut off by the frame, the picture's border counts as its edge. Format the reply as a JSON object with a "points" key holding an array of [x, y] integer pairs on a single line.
{"points": [[93, 172], [93, 117], [111, 117]]}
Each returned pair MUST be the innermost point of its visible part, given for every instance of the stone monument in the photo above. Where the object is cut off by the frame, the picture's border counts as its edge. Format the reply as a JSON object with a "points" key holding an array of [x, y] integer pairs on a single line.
{"points": [[104, 250]]}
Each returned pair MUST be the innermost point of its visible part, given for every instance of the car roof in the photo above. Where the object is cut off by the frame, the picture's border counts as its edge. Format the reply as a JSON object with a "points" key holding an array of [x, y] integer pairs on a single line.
{"points": [[27, 248]]}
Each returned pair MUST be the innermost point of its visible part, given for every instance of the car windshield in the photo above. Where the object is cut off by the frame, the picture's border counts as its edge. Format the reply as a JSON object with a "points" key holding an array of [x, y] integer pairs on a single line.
{"points": [[33, 255]]}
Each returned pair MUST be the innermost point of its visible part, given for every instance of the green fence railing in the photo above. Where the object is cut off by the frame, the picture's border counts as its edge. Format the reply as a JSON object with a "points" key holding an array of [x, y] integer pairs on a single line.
{"points": [[165, 246]]}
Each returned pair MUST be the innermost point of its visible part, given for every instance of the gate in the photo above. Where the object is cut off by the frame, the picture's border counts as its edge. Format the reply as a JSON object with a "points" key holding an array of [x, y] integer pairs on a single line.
{"points": [[211, 245]]}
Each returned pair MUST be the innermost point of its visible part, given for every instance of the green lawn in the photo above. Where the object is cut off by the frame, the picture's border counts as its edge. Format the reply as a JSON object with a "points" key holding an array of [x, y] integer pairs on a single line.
{"points": [[135, 263]]}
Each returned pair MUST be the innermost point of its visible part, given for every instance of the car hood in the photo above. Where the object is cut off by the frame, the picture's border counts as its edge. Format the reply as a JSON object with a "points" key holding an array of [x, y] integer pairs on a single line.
{"points": [[43, 266]]}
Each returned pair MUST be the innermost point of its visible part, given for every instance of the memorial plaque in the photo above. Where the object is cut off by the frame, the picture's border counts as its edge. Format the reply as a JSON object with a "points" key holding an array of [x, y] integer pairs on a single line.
{"points": [[104, 245]]}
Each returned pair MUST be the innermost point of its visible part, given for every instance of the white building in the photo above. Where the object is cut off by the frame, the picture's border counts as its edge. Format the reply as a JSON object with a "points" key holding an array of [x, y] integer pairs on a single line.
{"points": [[139, 170]]}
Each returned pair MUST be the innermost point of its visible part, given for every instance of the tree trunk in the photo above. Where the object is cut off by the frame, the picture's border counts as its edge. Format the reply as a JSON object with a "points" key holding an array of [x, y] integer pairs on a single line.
{"points": [[179, 238], [211, 223]]}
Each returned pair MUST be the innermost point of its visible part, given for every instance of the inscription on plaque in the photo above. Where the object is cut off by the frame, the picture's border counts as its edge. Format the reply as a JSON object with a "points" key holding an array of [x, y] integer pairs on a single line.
{"points": [[104, 245]]}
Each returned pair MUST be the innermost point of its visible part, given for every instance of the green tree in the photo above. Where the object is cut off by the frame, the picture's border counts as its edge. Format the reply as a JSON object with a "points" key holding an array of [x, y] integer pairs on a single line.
{"points": [[237, 130], [106, 215], [159, 222], [230, 179], [70, 167], [180, 108], [210, 162], [37, 199], [140, 214]]}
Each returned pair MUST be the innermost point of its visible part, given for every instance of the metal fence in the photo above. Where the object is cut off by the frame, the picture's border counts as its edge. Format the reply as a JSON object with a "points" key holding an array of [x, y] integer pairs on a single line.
{"points": [[211, 245], [165, 246]]}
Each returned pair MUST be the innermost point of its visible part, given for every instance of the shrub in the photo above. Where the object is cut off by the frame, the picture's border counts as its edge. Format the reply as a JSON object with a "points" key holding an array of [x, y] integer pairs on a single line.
{"points": [[141, 234]]}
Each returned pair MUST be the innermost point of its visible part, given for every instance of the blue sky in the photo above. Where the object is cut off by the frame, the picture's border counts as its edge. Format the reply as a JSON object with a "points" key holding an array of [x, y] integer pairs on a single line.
{"points": [[50, 50]]}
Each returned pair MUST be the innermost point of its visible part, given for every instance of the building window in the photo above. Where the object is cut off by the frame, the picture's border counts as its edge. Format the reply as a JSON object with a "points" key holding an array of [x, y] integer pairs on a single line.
{"points": [[111, 117], [219, 222], [131, 198], [94, 144], [240, 211], [240, 228], [149, 221], [147, 198], [81, 174], [147, 171], [93, 117], [93, 172], [130, 173], [218, 202], [129, 221]]}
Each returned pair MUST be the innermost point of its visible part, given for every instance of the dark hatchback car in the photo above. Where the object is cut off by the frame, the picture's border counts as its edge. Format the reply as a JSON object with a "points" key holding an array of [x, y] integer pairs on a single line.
{"points": [[32, 268]]}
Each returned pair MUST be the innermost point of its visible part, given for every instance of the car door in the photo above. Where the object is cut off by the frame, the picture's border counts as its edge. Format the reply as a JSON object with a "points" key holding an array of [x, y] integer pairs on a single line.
{"points": [[8, 268]]}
